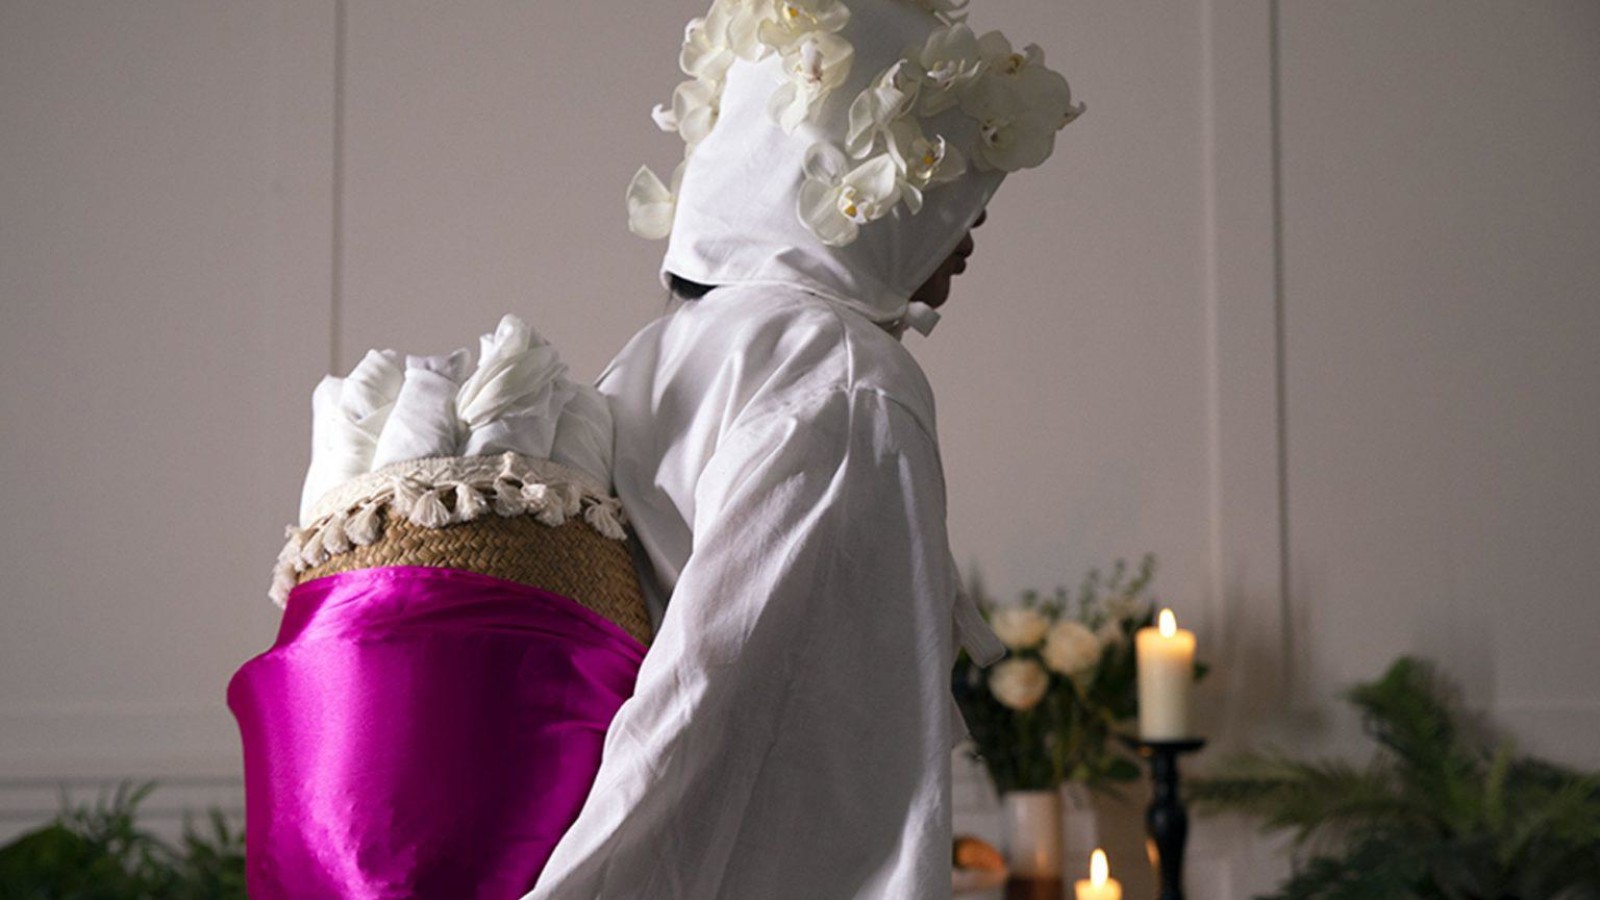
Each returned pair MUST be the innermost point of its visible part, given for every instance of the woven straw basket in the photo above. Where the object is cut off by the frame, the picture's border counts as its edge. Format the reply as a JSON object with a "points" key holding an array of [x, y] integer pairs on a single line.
{"points": [[511, 517]]}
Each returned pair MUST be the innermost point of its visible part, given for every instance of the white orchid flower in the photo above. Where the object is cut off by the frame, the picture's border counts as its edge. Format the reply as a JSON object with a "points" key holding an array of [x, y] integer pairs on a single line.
{"points": [[835, 200], [1043, 92], [1009, 138], [695, 107], [923, 162], [946, 10], [997, 52], [887, 99], [1019, 106], [744, 22], [951, 59], [729, 30], [792, 20], [1008, 146], [816, 65], [706, 53], [651, 204]]}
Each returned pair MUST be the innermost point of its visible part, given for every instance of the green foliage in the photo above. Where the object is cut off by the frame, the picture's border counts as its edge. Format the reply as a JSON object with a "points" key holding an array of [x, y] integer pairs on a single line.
{"points": [[1441, 812], [1070, 734], [100, 853]]}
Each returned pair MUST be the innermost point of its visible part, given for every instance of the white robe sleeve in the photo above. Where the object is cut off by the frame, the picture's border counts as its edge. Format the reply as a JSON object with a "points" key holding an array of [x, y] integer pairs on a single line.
{"points": [[789, 735]]}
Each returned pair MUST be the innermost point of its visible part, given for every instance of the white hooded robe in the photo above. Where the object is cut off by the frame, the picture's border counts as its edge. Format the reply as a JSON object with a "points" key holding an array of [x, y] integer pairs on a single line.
{"points": [[776, 453]]}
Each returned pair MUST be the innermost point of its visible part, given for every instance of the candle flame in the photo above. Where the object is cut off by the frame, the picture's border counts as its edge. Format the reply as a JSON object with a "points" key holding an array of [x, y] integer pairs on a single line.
{"points": [[1169, 623], [1099, 869]]}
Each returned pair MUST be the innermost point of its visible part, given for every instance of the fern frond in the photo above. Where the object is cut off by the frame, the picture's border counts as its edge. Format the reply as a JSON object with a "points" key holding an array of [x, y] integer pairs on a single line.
{"points": [[1408, 711], [1567, 812], [1437, 809], [1305, 797]]}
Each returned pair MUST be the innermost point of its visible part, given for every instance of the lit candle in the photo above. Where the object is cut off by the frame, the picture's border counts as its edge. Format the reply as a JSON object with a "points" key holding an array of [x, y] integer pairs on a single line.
{"points": [[1166, 675], [1100, 885]]}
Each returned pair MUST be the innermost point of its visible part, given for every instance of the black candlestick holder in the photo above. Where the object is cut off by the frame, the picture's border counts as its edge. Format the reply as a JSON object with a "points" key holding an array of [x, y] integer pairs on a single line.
{"points": [[1167, 821]]}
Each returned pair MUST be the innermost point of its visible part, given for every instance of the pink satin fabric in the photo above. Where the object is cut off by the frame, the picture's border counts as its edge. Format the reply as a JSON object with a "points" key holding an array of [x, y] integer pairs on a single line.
{"points": [[422, 733]]}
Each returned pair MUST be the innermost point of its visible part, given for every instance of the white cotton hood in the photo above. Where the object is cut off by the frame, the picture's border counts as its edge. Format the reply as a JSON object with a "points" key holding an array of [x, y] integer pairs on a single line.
{"points": [[736, 218]]}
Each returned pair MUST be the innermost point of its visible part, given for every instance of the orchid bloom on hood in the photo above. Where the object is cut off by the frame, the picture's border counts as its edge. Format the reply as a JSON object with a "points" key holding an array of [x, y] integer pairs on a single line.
{"points": [[836, 202]]}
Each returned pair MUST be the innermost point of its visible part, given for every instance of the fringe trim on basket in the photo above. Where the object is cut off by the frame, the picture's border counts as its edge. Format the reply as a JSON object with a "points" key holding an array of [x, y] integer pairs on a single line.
{"points": [[507, 485]]}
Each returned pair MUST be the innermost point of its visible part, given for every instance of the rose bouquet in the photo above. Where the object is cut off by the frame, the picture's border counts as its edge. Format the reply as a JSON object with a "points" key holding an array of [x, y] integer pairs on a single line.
{"points": [[1047, 713]]}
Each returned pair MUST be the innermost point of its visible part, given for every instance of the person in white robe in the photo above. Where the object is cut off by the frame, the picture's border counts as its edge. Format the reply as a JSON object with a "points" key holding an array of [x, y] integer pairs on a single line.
{"points": [[776, 452]]}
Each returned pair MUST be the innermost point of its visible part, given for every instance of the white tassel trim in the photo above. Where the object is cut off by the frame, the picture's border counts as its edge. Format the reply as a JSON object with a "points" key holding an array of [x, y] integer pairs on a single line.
{"points": [[430, 512], [509, 485]]}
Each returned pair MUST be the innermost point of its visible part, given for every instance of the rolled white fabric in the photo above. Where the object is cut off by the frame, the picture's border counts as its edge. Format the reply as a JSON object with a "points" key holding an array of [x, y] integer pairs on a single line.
{"points": [[347, 416], [424, 422], [514, 399], [583, 433], [921, 317]]}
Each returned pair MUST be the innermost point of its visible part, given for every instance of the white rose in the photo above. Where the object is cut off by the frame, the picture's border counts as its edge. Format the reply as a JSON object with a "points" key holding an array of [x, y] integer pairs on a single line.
{"points": [[1019, 627], [1071, 648], [1019, 683]]}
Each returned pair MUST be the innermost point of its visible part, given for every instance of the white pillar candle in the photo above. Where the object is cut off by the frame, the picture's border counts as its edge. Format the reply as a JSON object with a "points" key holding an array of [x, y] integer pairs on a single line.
{"points": [[1166, 675], [1099, 885]]}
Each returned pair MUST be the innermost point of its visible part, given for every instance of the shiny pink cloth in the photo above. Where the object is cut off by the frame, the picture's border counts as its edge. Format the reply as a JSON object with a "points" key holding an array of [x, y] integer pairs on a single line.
{"points": [[421, 732]]}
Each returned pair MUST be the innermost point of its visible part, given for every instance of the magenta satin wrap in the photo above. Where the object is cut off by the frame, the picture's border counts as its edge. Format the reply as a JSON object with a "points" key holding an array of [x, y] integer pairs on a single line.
{"points": [[420, 732]]}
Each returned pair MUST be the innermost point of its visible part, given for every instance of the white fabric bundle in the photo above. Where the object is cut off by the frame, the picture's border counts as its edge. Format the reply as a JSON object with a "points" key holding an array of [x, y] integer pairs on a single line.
{"points": [[515, 398], [424, 421], [583, 433], [518, 400], [348, 414]]}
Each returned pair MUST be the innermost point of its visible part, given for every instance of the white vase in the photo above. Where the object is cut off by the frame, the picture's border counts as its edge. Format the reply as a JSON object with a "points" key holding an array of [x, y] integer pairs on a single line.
{"points": [[1032, 822]]}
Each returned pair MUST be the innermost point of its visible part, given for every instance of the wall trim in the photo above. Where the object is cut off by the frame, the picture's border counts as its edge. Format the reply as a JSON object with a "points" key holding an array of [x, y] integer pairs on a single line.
{"points": [[1244, 289], [106, 741]]}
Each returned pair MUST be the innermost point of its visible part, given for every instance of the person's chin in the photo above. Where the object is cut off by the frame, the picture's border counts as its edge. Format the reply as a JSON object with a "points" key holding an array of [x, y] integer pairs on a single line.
{"points": [[936, 294]]}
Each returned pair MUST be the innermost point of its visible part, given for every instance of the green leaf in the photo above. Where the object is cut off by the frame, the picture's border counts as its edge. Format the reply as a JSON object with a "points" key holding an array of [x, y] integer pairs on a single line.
{"points": [[1123, 769]]}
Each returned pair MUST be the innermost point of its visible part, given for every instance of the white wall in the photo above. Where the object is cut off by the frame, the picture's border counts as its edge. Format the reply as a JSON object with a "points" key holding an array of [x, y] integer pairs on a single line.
{"points": [[1307, 304], [164, 272]]}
